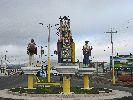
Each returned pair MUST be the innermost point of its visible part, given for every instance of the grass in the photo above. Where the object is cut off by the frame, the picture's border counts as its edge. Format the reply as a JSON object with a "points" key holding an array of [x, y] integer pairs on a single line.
{"points": [[58, 90], [38, 90]]}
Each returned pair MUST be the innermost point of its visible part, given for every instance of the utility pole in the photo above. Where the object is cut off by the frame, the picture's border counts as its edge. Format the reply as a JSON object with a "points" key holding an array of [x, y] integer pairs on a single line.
{"points": [[113, 72], [48, 69], [49, 26]]}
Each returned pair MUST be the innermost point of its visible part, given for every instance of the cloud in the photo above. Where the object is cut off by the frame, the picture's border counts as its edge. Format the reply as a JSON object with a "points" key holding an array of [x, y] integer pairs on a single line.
{"points": [[89, 20]]}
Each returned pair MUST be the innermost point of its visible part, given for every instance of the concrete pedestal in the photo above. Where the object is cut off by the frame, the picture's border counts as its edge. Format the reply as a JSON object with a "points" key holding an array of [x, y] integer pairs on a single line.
{"points": [[86, 72], [66, 71], [30, 81], [66, 84], [30, 71], [86, 81]]}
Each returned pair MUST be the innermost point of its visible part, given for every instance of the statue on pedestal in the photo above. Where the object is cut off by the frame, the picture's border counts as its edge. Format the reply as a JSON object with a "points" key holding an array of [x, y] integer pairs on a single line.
{"points": [[86, 52]]}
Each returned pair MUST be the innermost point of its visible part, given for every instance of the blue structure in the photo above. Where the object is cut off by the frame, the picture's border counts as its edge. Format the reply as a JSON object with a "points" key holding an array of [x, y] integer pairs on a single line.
{"points": [[42, 73]]}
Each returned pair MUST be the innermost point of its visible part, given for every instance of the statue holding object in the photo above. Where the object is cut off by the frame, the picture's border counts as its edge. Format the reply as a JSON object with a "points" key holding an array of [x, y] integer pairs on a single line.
{"points": [[86, 52]]}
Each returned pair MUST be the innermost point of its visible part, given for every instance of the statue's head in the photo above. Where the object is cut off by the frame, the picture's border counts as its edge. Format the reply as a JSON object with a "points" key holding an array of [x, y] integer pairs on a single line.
{"points": [[32, 40]]}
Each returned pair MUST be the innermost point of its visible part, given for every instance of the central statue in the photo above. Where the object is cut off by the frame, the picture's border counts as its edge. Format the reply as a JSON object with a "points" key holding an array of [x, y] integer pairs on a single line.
{"points": [[65, 44]]}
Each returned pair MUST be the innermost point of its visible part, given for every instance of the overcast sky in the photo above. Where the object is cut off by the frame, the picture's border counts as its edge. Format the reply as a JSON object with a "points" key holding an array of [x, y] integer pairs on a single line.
{"points": [[90, 19]]}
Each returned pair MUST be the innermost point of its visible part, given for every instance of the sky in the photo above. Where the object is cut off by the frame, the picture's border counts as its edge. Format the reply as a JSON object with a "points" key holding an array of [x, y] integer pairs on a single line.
{"points": [[90, 20]]}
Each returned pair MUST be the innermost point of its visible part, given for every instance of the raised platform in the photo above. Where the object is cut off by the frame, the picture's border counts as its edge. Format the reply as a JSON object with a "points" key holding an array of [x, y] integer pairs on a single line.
{"points": [[5, 95], [30, 70], [67, 69], [86, 70]]}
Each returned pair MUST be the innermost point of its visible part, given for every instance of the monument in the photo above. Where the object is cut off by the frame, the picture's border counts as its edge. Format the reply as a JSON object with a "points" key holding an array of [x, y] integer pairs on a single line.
{"points": [[31, 70], [66, 53], [65, 44]]}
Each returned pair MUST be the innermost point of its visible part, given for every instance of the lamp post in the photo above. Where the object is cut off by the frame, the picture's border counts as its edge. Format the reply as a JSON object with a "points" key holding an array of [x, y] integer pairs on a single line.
{"points": [[48, 70]]}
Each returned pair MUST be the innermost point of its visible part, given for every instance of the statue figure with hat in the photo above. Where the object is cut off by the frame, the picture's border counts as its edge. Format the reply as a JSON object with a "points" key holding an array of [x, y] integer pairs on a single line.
{"points": [[86, 52], [31, 50]]}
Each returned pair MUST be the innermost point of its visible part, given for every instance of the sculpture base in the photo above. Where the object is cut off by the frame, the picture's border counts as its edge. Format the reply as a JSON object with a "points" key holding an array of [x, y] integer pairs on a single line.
{"points": [[86, 70], [30, 70], [67, 69]]}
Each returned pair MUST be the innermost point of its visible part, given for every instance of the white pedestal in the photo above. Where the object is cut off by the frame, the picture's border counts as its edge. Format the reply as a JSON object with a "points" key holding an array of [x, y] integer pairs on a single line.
{"points": [[67, 69], [30, 70], [86, 70]]}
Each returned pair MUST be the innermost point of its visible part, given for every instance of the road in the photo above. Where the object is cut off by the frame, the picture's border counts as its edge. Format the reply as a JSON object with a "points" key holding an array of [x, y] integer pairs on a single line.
{"points": [[13, 81]]}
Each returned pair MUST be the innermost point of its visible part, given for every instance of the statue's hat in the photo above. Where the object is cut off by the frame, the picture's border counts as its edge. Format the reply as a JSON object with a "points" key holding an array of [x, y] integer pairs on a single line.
{"points": [[86, 41], [32, 40]]}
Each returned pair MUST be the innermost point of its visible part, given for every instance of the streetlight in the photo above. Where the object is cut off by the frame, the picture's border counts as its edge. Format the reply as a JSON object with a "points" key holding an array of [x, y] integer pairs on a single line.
{"points": [[49, 26]]}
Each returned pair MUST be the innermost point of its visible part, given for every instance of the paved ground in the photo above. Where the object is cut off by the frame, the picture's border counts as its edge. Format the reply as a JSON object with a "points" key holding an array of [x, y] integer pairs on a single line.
{"points": [[96, 83]]}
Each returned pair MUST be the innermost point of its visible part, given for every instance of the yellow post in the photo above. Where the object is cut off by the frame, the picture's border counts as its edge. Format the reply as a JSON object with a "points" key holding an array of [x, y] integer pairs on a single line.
{"points": [[30, 81], [86, 81], [30, 76], [73, 52], [48, 69], [113, 76], [66, 85], [49, 54]]}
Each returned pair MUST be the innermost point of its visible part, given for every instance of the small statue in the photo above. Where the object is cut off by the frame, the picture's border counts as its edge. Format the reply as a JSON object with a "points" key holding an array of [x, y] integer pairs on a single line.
{"points": [[86, 52]]}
